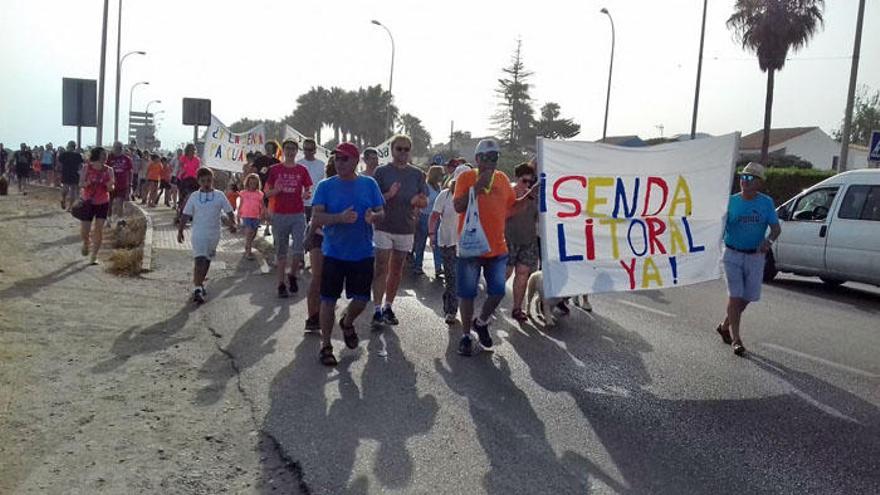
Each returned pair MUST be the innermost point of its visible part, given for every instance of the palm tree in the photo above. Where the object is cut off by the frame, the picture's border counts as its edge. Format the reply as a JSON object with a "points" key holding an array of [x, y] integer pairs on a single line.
{"points": [[308, 117], [412, 126], [335, 112], [770, 28]]}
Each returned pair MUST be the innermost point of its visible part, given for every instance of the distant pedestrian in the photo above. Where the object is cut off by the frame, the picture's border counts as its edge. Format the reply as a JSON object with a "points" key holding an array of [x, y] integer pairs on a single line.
{"points": [[187, 178], [122, 170], [264, 162], [97, 182], [314, 166], [205, 207], [287, 186], [749, 214], [23, 159], [47, 166], [175, 171], [496, 201], [154, 177], [165, 183], [346, 206], [251, 211], [71, 167]]}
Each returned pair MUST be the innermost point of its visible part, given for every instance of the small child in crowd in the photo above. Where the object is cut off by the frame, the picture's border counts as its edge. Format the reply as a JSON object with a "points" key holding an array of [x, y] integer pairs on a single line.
{"points": [[251, 210]]}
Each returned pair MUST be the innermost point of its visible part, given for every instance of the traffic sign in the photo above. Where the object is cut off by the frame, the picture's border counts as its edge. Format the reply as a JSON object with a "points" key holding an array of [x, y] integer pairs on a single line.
{"points": [[874, 153], [79, 102], [196, 111]]}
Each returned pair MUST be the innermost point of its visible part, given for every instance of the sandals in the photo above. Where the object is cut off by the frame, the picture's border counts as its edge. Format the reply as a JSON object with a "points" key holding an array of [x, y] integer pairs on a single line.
{"points": [[738, 348], [326, 356], [349, 334], [520, 315], [725, 334]]}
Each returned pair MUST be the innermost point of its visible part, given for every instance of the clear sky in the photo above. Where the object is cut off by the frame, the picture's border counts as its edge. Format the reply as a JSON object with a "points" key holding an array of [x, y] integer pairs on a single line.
{"points": [[253, 58]]}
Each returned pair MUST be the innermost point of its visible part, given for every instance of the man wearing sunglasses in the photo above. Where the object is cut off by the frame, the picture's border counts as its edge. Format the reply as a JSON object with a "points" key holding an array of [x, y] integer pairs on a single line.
{"points": [[749, 214], [346, 206], [496, 201], [315, 168], [405, 191], [371, 162]]}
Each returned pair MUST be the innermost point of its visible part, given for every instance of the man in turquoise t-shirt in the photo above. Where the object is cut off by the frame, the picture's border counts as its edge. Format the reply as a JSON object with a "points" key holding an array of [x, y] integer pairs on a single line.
{"points": [[749, 214], [346, 206]]}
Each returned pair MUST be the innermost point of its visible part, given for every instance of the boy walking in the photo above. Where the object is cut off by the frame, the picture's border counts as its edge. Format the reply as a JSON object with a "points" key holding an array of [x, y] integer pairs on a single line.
{"points": [[205, 208]]}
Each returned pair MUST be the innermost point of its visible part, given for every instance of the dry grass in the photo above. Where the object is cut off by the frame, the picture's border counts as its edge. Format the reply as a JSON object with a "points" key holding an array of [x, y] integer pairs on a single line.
{"points": [[131, 235], [126, 262]]}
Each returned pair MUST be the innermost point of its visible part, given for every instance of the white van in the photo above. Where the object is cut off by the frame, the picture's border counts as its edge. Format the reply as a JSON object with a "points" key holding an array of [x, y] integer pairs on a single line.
{"points": [[832, 231]]}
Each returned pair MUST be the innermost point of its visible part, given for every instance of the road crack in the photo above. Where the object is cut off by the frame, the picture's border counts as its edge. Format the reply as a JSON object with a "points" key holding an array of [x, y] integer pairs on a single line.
{"points": [[289, 465]]}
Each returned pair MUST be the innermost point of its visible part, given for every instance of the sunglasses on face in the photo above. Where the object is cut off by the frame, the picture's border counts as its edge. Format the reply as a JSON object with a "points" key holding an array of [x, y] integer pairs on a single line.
{"points": [[400, 149], [747, 178], [310, 150], [492, 156]]}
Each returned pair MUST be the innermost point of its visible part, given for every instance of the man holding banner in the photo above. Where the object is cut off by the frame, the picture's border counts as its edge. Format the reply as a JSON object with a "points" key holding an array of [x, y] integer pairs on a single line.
{"points": [[495, 202], [749, 214]]}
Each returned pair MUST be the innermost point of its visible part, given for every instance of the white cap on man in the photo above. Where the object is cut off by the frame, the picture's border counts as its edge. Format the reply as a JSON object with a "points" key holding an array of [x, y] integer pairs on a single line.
{"points": [[487, 146]]}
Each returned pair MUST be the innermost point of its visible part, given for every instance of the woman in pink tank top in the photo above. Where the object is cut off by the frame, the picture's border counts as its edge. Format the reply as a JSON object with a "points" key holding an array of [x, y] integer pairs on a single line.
{"points": [[97, 181]]}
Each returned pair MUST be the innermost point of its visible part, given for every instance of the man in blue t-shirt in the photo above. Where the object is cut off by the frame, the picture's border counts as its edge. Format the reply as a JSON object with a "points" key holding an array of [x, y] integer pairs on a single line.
{"points": [[346, 206], [749, 214]]}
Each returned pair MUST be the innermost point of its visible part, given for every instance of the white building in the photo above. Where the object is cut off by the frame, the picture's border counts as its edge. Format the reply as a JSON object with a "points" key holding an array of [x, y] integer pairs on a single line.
{"points": [[808, 143]]}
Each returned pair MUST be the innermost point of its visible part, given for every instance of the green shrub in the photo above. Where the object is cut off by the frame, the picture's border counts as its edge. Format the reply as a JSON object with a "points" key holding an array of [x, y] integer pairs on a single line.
{"points": [[784, 183]]}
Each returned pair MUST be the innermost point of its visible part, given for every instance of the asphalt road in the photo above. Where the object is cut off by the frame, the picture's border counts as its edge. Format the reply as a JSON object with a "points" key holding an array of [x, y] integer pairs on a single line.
{"points": [[638, 397], [149, 394]]}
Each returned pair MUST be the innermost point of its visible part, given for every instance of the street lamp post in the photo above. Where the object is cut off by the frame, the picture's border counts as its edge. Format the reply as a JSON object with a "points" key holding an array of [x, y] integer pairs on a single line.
{"points": [[130, 97], [391, 76], [118, 82], [699, 73], [147, 110], [610, 69], [853, 75]]}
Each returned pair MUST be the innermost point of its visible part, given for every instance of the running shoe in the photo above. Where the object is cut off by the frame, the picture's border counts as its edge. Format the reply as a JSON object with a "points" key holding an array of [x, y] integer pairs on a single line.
{"points": [[282, 292], [389, 316], [313, 323], [294, 287], [483, 334], [466, 346], [199, 295]]}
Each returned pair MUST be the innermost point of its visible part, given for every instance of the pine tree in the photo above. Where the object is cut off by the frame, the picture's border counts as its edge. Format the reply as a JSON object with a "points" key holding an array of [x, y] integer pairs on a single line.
{"points": [[514, 121]]}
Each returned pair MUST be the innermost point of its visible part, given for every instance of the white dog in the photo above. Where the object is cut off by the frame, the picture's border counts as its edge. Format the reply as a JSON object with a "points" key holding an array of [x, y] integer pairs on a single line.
{"points": [[536, 286]]}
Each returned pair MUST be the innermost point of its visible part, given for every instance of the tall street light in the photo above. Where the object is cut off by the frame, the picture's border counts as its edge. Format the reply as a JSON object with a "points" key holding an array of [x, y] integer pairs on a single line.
{"points": [[610, 69], [118, 81], [99, 131], [130, 97], [391, 76]]}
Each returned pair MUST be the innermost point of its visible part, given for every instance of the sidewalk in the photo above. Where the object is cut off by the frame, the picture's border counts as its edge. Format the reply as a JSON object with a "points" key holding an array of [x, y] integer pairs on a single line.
{"points": [[100, 376]]}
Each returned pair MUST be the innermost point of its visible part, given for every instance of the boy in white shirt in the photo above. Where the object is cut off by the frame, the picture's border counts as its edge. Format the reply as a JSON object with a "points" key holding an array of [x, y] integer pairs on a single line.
{"points": [[205, 208]]}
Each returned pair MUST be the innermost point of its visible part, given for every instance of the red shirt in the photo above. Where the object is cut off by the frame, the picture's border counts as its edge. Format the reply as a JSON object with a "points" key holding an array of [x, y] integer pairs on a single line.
{"points": [[291, 181], [122, 168], [97, 184], [189, 167]]}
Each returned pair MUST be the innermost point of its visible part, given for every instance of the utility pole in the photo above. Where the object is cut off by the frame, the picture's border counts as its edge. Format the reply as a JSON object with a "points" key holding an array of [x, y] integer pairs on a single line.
{"points": [[853, 75], [100, 126], [451, 134], [699, 73]]}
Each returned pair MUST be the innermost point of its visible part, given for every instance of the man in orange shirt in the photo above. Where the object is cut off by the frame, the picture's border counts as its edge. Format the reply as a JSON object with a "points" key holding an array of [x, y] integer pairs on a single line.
{"points": [[496, 201]]}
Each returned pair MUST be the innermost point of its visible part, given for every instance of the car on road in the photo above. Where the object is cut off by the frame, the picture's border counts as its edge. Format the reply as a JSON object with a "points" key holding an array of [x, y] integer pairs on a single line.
{"points": [[831, 231]]}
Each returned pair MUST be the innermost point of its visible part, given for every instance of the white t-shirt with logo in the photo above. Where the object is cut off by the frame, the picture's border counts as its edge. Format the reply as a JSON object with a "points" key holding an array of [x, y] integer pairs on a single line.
{"points": [[447, 233], [206, 210], [316, 170]]}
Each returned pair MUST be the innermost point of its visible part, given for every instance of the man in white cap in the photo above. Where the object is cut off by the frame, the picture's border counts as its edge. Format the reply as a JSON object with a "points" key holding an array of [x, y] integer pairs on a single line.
{"points": [[749, 214], [496, 201]]}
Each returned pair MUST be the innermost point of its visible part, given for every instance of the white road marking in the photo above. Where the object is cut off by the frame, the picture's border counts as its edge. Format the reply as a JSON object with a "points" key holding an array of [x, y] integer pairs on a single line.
{"points": [[820, 360], [645, 308]]}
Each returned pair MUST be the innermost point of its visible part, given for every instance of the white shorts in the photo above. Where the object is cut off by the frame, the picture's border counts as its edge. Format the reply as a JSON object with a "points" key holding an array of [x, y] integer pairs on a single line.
{"points": [[205, 247], [397, 242]]}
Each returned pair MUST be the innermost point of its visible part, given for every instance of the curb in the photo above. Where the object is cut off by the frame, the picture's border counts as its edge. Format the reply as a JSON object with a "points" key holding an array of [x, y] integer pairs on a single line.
{"points": [[147, 260]]}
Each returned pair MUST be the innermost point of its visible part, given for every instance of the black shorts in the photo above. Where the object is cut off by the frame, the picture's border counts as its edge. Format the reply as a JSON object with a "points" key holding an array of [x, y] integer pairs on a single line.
{"points": [[23, 171], [355, 276], [164, 185], [93, 211]]}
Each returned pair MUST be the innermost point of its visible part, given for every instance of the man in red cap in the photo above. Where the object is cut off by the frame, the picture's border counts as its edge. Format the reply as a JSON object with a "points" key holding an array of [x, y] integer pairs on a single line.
{"points": [[346, 206]]}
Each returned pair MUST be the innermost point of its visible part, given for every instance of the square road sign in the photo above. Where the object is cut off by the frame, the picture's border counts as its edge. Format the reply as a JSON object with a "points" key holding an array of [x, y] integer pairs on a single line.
{"points": [[196, 111], [874, 152]]}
